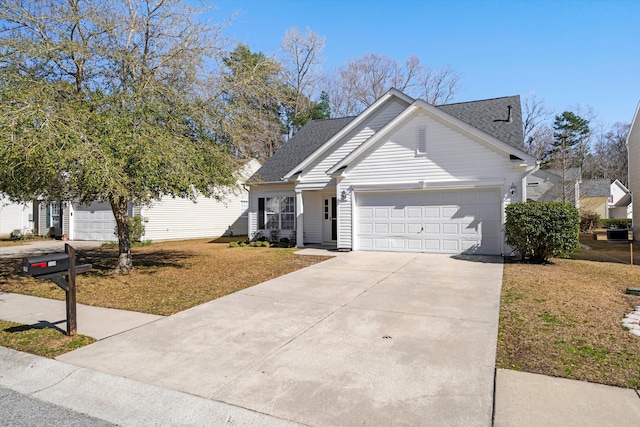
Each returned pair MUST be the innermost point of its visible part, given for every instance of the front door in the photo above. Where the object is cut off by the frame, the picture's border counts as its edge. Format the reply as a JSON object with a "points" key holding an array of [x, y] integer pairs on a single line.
{"points": [[330, 220]]}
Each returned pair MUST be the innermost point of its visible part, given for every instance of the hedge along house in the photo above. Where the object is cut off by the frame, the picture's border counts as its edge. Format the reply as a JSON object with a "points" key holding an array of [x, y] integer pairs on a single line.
{"points": [[403, 175], [167, 219]]}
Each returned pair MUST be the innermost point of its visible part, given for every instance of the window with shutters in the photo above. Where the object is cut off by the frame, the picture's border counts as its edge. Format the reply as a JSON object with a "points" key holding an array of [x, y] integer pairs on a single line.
{"points": [[276, 213], [421, 141]]}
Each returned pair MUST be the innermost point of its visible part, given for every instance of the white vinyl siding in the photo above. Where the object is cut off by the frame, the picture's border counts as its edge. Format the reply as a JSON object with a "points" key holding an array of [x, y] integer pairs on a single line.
{"points": [[15, 216], [386, 113], [175, 219], [312, 216], [455, 221], [453, 157]]}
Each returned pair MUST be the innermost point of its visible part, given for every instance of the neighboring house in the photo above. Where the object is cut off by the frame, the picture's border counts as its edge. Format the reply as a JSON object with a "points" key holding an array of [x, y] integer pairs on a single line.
{"points": [[546, 185], [403, 175], [167, 219], [619, 201], [594, 196], [15, 217], [633, 145]]}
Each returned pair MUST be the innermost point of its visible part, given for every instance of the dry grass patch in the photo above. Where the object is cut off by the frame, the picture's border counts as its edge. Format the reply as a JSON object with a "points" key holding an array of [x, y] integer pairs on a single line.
{"points": [[8, 241], [42, 342], [169, 276], [564, 320]]}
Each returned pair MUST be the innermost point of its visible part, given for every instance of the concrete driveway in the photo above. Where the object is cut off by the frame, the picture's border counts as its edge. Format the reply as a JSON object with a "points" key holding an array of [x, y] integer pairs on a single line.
{"points": [[361, 339]]}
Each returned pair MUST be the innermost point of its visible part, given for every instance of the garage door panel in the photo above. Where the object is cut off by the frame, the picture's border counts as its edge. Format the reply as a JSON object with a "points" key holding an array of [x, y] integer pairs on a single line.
{"points": [[432, 212], [381, 243], [366, 212], [448, 228], [413, 212], [366, 228], [381, 228], [397, 213], [414, 245], [414, 228], [397, 243], [430, 221], [398, 228], [431, 245], [450, 245], [431, 229], [449, 211], [365, 243]]}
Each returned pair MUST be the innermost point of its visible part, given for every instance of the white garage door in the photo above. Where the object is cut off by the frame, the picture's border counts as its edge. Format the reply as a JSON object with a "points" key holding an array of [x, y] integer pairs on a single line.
{"points": [[95, 222], [458, 221]]}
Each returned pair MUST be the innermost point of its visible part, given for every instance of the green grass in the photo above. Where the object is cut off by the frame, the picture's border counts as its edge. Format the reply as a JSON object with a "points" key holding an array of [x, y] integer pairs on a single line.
{"points": [[42, 342]]}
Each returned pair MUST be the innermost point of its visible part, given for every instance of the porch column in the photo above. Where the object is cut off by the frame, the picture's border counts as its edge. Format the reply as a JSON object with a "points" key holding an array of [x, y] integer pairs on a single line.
{"points": [[299, 220]]}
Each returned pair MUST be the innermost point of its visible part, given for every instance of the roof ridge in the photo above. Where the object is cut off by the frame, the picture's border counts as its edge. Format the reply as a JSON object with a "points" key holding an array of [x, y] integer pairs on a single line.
{"points": [[333, 118], [478, 100]]}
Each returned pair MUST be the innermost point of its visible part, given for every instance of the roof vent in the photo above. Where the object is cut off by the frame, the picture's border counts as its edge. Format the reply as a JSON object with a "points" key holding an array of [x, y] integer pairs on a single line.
{"points": [[509, 118]]}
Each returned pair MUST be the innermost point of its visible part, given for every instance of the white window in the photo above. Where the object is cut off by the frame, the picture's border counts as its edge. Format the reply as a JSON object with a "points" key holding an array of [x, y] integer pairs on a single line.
{"points": [[421, 141], [279, 213]]}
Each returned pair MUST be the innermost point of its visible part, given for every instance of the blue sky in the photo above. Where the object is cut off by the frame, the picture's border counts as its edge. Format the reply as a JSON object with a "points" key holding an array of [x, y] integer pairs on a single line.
{"points": [[568, 52]]}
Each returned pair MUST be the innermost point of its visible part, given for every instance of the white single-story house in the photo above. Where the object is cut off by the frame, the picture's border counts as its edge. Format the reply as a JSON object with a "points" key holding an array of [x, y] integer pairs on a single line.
{"points": [[167, 219], [403, 175], [633, 147], [15, 217], [619, 201]]}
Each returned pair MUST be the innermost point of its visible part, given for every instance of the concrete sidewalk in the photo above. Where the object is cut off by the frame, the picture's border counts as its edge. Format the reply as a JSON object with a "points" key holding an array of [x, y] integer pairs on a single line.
{"points": [[96, 322], [524, 399]]}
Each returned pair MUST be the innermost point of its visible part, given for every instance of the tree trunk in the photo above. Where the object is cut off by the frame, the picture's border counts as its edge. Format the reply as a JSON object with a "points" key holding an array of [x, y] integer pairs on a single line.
{"points": [[125, 262]]}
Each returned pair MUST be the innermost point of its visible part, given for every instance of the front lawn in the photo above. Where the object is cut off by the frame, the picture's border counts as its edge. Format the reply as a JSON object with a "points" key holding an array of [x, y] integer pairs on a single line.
{"points": [[169, 276], [564, 319], [42, 342]]}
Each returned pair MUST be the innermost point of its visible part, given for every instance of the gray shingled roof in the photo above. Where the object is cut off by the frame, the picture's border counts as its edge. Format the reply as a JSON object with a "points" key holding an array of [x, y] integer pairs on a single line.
{"points": [[490, 116], [570, 174], [307, 140], [595, 188]]}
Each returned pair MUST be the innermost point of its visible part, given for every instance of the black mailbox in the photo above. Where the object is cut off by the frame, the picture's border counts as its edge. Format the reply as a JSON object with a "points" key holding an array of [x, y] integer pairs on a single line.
{"points": [[618, 235], [46, 264]]}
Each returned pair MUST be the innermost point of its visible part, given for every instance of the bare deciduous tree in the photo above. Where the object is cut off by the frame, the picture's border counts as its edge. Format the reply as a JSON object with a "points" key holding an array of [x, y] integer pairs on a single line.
{"points": [[609, 157], [302, 61], [361, 81]]}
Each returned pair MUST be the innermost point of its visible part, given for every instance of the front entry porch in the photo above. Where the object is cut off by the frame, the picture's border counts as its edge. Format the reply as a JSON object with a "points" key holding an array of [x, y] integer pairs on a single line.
{"points": [[316, 219]]}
